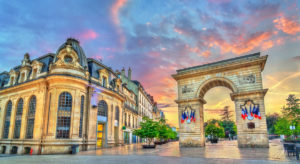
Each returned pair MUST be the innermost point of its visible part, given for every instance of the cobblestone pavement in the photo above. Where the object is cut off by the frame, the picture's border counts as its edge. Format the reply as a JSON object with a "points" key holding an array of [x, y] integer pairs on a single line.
{"points": [[223, 152]]}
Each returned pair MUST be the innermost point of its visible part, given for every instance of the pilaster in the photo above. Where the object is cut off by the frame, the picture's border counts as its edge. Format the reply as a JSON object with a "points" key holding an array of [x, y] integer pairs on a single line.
{"points": [[191, 133]]}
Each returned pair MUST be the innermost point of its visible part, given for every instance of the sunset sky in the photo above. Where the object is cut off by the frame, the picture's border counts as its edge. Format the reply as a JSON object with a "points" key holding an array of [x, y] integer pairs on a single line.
{"points": [[157, 37]]}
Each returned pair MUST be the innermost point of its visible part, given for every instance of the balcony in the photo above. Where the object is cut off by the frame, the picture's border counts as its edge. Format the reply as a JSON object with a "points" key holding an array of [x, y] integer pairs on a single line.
{"points": [[131, 109]]}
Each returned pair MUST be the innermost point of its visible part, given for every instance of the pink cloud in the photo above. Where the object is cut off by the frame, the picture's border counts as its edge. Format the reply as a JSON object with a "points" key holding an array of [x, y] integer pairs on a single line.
{"points": [[115, 10], [287, 25], [88, 35]]}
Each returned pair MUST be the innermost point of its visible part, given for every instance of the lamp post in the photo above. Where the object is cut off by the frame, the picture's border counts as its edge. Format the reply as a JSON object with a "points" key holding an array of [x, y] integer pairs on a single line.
{"points": [[292, 127]]}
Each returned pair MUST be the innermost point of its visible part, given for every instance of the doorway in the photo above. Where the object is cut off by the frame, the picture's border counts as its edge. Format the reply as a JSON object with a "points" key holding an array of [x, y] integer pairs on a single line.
{"points": [[100, 135]]}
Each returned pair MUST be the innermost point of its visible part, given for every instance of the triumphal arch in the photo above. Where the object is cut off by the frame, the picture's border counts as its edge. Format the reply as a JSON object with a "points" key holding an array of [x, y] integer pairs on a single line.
{"points": [[242, 75]]}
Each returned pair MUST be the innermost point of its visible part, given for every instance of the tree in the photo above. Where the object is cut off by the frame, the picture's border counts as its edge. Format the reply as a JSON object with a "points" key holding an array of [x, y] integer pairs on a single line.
{"points": [[226, 114], [148, 130], [282, 126], [163, 133], [292, 111], [214, 130], [229, 127], [271, 121]]}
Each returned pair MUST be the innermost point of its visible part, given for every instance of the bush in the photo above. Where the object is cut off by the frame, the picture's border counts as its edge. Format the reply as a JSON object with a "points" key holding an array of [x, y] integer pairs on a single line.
{"points": [[214, 131]]}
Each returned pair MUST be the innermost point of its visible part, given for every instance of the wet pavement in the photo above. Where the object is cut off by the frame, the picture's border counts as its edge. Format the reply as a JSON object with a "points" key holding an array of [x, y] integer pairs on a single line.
{"points": [[223, 152]]}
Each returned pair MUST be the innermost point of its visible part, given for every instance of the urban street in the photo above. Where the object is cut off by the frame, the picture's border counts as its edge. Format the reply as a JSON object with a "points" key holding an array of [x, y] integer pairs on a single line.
{"points": [[149, 81], [223, 152]]}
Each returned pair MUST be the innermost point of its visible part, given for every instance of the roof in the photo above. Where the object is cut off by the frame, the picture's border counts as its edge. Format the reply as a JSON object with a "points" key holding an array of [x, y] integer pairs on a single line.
{"points": [[221, 62], [77, 48]]}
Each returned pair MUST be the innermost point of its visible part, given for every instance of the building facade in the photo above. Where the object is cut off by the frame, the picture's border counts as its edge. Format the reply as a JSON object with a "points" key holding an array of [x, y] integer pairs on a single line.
{"points": [[60, 100], [130, 116]]}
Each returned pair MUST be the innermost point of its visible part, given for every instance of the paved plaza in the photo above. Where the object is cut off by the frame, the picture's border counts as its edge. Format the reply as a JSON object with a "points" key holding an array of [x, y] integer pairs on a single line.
{"points": [[223, 152]]}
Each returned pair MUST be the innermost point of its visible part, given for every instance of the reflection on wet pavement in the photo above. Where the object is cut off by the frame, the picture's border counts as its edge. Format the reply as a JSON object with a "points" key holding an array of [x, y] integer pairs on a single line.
{"points": [[224, 149]]}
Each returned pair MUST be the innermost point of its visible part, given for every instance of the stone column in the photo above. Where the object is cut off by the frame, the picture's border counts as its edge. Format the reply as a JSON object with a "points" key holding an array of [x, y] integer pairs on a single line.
{"points": [[191, 134], [76, 114], [110, 139], [121, 109], [24, 118], [255, 135], [12, 118], [52, 118]]}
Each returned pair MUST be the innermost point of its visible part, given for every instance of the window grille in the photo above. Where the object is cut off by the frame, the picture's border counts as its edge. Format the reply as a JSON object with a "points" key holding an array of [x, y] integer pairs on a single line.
{"points": [[102, 108], [117, 115], [31, 117], [64, 115], [18, 119], [81, 116], [7, 120]]}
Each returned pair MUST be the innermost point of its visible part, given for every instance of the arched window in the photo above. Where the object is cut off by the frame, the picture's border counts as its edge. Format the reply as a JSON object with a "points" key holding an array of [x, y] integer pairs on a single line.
{"points": [[102, 108], [64, 115], [117, 115], [18, 119], [81, 116], [30, 117], [7, 120]]}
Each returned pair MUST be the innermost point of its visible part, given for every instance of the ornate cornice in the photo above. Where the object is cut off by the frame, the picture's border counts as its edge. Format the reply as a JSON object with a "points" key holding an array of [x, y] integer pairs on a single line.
{"points": [[240, 94], [191, 100], [211, 68]]}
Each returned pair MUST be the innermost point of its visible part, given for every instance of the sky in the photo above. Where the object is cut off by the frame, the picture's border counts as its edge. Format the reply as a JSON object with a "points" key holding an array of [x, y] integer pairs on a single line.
{"points": [[156, 38]]}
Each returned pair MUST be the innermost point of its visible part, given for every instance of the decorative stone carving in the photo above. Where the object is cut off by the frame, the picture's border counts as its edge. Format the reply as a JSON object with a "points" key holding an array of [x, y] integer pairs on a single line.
{"points": [[26, 60], [248, 79], [186, 89]]}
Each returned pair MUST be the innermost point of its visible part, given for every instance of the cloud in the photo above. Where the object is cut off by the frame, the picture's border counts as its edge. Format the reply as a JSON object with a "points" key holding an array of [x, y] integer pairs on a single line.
{"points": [[114, 12], [287, 25], [88, 35], [115, 9]]}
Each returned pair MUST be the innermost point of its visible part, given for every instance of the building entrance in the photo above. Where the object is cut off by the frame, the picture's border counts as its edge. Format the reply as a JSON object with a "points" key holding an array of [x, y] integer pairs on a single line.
{"points": [[100, 135]]}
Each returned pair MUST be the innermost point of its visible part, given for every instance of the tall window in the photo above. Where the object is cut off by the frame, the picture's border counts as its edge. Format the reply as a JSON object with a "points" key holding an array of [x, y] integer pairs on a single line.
{"points": [[30, 117], [117, 113], [7, 120], [104, 81], [64, 115], [12, 79], [18, 119], [34, 73], [125, 119], [129, 121], [22, 77], [81, 116], [102, 108]]}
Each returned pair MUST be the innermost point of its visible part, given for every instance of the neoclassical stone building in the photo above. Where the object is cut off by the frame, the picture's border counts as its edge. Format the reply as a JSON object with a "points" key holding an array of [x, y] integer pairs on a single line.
{"points": [[58, 100]]}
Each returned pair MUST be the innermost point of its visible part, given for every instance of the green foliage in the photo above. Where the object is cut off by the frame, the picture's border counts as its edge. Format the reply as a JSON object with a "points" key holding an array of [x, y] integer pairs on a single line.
{"points": [[291, 117], [271, 121], [229, 127], [148, 130], [165, 132], [282, 126], [152, 129], [214, 131]]}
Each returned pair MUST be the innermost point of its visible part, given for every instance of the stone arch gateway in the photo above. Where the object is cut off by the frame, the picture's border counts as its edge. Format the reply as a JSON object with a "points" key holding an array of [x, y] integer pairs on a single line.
{"points": [[242, 75]]}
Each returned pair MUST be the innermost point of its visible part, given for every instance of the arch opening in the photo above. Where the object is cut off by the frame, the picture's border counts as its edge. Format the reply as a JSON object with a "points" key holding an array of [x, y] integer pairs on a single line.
{"points": [[215, 82]]}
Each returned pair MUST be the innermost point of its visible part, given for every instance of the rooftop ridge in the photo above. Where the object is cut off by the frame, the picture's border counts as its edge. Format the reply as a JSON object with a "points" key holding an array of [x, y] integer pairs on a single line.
{"points": [[218, 62], [101, 64]]}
